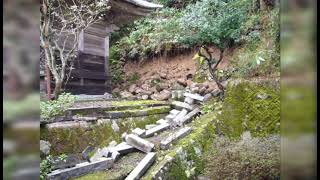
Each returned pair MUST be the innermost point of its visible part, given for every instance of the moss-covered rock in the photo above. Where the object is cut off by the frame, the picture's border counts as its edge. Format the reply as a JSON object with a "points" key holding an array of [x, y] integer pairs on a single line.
{"points": [[250, 107], [75, 140]]}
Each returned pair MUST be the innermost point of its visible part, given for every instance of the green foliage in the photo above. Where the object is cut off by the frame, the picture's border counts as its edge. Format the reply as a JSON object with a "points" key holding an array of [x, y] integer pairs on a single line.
{"points": [[116, 64], [50, 109], [134, 78], [243, 110], [205, 22], [175, 3], [260, 56], [46, 167], [215, 22], [211, 106]]}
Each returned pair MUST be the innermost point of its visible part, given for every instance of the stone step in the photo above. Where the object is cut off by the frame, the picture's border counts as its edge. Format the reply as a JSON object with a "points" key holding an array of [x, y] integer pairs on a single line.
{"points": [[187, 118], [161, 121], [139, 132], [157, 129], [84, 118], [165, 144], [136, 113], [170, 117], [189, 100], [142, 167], [179, 117], [149, 126], [182, 105], [139, 143], [174, 112], [81, 169], [194, 96], [114, 105], [68, 124], [70, 161], [124, 148], [104, 152]]}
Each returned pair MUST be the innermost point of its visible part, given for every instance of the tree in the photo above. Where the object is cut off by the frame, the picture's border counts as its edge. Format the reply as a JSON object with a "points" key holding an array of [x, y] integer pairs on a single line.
{"points": [[218, 23], [60, 26], [212, 63]]}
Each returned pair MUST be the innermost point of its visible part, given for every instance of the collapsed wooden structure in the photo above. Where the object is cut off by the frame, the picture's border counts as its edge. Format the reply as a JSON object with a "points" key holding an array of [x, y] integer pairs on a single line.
{"points": [[91, 73]]}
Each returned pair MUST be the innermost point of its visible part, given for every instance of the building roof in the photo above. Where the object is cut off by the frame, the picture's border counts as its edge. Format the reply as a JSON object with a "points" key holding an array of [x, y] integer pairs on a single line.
{"points": [[126, 11]]}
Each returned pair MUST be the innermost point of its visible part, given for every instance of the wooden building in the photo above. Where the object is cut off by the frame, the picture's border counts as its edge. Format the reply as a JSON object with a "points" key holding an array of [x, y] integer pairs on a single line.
{"points": [[91, 71]]}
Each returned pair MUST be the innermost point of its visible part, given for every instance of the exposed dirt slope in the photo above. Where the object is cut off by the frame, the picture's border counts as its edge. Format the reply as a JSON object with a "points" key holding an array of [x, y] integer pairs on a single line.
{"points": [[174, 67]]}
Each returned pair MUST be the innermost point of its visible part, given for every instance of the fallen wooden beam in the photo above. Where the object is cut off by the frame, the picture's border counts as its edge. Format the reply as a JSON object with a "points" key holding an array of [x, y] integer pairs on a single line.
{"points": [[142, 167]]}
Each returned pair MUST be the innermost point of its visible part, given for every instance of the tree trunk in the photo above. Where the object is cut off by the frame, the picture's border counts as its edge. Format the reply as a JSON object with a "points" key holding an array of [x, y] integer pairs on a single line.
{"points": [[213, 69], [48, 81], [57, 89]]}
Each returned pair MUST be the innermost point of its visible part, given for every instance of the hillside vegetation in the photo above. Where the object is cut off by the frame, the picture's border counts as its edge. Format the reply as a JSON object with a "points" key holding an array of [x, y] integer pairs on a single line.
{"points": [[183, 25]]}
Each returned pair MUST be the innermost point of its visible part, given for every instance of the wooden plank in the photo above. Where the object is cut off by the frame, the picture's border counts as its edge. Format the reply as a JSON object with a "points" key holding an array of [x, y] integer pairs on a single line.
{"points": [[93, 66], [93, 39], [88, 74], [93, 50], [97, 30], [81, 41]]}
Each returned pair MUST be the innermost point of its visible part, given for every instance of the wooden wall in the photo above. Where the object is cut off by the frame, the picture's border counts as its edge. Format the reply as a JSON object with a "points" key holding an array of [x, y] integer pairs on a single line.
{"points": [[91, 69]]}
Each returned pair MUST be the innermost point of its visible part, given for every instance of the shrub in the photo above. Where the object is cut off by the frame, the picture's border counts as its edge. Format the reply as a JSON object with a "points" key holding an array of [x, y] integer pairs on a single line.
{"points": [[50, 109], [260, 56], [170, 29], [116, 64], [46, 165]]}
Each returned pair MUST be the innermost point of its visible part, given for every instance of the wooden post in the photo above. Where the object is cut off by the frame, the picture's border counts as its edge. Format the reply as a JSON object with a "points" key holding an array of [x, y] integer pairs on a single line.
{"points": [[80, 50], [106, 60]]}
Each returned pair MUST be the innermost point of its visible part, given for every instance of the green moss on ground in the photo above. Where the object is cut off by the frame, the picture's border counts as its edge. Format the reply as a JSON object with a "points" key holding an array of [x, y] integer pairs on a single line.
{"points": [[137, 102], [120, 169], [243, 110]]}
